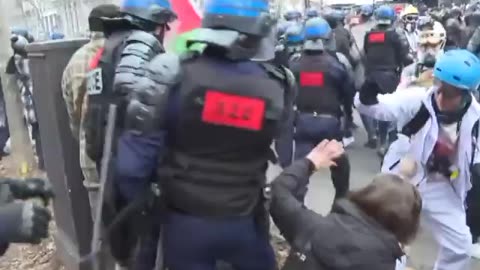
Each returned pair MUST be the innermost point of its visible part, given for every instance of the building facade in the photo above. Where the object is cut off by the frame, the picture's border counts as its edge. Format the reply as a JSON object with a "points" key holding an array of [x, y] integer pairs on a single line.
{"points": [[43, 17]]}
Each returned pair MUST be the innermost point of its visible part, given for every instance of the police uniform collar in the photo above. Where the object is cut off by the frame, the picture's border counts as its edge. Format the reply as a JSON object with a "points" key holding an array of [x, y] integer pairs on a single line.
{"points": [[221, 38]]}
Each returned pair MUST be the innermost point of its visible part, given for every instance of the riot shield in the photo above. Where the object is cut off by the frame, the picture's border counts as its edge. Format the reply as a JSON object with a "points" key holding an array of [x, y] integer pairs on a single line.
{"points": [[60, 149]]}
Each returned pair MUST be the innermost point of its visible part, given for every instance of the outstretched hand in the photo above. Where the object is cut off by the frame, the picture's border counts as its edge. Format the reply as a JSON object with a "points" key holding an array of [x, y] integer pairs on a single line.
{"points": [[325, 154]]}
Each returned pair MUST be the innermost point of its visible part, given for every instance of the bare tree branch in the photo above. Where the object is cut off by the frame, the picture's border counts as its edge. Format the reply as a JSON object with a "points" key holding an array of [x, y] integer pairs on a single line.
{"points": [[39, 12]]}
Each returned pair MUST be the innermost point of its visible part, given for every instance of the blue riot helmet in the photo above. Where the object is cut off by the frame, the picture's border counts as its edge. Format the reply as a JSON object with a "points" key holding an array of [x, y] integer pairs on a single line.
{"points": [[282, 28], [385, 15], [148, 14], [292, 15], [250, 17], [311, 13], [294, 38], [318, 35], [366, 10], [294, 35]]}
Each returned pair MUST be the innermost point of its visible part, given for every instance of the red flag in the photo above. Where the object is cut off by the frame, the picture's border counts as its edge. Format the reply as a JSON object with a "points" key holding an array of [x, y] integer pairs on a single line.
{"points": [[189, 16]]}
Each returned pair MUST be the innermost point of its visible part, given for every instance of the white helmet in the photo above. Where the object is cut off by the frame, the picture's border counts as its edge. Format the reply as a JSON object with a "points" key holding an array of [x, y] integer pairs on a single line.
{"points": [[435, 36], [430, 44]]}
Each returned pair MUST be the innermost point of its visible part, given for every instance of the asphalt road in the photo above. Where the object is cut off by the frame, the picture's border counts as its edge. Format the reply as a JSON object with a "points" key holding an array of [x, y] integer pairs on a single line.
{"points": [[365, 165]]}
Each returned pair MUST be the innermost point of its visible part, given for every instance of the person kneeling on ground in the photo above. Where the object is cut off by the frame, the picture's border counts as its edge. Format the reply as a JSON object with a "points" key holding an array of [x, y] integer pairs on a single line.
{"points": [[365, 231]]}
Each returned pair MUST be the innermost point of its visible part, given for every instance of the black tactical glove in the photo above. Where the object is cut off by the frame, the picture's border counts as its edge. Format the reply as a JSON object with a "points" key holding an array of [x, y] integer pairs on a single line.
{"points": [[23, 222], [30, 188]]}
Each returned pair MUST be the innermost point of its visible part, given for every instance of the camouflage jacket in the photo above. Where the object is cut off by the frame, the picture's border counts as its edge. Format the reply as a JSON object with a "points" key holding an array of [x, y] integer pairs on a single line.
{"points": [[74, 93]]}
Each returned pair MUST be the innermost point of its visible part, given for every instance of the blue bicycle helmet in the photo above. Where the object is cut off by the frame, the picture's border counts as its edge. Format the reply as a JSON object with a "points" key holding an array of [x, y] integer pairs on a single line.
{"points": [[154, 11], [251, 17], [385, 15], [317, 33], [295, 35], [459, 68]]}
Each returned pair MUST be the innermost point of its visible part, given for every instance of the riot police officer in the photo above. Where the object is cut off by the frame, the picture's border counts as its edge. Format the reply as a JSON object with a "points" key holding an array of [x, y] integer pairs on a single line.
{"points": [[119, 68], [219, 118], [294, 38], [343, 37], [121, 63], [281, 53], [383, 48], [385, 54], [324, 88]]}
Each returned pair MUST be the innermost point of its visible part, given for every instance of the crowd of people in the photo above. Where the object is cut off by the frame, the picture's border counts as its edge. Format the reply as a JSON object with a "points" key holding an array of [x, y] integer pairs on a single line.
{"points": [[194, 130]]}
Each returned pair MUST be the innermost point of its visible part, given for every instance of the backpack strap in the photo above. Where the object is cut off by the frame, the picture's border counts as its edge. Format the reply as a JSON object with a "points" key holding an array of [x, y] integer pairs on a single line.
{"points": [[417, 122], [474, 142]]}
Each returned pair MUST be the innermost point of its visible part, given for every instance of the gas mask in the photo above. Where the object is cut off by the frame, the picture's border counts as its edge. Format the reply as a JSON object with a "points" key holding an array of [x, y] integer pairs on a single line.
{"points": [[430, 47], [410, 27], [410, 22], [427, 55]]}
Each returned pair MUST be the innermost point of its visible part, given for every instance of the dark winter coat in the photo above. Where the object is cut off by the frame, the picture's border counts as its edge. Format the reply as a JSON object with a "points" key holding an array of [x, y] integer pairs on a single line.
{"points": [[346, 239]]}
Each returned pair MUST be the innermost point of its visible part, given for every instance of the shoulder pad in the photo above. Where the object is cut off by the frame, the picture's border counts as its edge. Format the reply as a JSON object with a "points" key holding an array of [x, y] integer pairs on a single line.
{"points": [[281, 73], [273, 71], [145, 38], [295, 57], [289, 77], [165, 69]]}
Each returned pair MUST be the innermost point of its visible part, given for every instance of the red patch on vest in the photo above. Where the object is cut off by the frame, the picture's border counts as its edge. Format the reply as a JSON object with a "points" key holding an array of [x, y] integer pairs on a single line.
{"points": [[233, 110], [96, 59], [312, 79], [376, 37]]}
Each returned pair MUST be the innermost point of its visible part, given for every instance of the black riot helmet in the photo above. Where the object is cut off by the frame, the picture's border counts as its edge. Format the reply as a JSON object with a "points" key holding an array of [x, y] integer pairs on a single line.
{"points": [[152, 12], [101, 13]]}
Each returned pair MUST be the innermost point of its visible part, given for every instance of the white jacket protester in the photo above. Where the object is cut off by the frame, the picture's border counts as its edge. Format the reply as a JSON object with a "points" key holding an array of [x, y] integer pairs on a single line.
{"points": [[402, 106]]}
